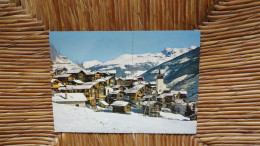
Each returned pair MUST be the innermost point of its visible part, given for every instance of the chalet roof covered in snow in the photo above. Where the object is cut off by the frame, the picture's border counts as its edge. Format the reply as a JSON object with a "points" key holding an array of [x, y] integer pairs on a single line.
{"points": [[108, 88], [143, 82], [132, 77], [116, 86], [147, 103], [135, 83], [104, 79], [148, 96], [104, 102], [180, 101], [175, 92], [166, 95], [166, 89], [119, 103], [60, 68], [52, 80], [126, 79], [79, 86], [58, 97], [153, 82], [101, 80], [60, 84], [90, 83], [87, 72], [76, 87], [108, 77], [62, 76], [78, 81], [116, 92], [183, 92], [74, 71], [135, 88]]}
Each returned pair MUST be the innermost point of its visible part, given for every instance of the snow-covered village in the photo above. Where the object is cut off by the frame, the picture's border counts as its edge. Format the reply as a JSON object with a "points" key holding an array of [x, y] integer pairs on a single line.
{"points": [[119, 96]]}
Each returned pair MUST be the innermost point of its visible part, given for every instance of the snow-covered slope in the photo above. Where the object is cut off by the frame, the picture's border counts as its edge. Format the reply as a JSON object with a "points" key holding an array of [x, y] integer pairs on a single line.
{"points": [[82, 119], [141, 62], [179, 73]]}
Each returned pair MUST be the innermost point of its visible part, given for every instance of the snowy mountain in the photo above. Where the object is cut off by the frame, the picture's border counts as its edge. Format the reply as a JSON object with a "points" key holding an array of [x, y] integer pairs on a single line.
{"points": [[179, 73], [53, 53], [61, 61], [137, 63], [89, 64]]}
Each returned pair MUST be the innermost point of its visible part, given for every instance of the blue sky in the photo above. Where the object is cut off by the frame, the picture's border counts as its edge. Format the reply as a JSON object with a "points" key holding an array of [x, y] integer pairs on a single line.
{"points": [[81, 46]]}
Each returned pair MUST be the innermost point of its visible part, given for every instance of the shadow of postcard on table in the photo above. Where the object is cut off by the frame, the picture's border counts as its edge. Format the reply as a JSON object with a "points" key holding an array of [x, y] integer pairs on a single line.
{"points": [[125, 81]]}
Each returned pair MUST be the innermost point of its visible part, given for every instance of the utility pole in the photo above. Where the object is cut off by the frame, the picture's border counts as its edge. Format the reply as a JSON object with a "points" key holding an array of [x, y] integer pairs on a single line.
{"points": [[132, 48], [133, 37]]}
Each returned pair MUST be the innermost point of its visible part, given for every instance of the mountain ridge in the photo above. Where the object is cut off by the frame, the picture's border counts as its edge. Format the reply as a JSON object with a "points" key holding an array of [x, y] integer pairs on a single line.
{"points": [[180, 73], [142, 62]]}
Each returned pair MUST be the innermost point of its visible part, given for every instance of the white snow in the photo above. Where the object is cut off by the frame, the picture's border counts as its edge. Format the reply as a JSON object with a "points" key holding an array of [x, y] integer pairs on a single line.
{"points": [[108, 71], [60, 84], [167, 94], [148, 96], [171, 116], [135, 88], [104, 102], [78, 81], [116, 92], [119, 103], [193, 47], [138, 59], [181, 78], [127, 72], [77, 87], [64, 62], [149, 103], [91, 63], [70, 97], [183, 60], [81, 119], [52, 80], [139, 72], [62, 76]]}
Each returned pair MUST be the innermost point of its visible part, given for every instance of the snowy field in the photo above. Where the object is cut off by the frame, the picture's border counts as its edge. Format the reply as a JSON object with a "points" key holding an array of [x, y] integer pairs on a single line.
{"points": [[82, 119]]}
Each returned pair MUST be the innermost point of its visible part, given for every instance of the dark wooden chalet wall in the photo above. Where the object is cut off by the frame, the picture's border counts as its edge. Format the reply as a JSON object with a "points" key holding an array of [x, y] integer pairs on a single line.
{"points": [[229, 87]]}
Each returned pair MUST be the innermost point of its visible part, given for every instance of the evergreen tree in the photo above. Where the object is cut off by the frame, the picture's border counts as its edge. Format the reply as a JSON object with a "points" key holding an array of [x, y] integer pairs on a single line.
{"points": [[177, 110], [188, 110], [194, 108], [173, 108]]}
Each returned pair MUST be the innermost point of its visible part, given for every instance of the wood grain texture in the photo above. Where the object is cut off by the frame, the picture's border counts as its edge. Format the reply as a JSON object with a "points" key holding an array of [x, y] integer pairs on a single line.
{"points": [[229, 94], [80, 15]]}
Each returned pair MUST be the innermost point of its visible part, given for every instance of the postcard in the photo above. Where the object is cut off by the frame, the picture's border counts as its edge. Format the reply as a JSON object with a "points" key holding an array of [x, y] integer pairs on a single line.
{"points": [[125, 81]]}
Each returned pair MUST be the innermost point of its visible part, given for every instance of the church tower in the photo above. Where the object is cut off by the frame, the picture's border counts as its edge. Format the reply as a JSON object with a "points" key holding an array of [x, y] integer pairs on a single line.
{"points": [[160, 86]]}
